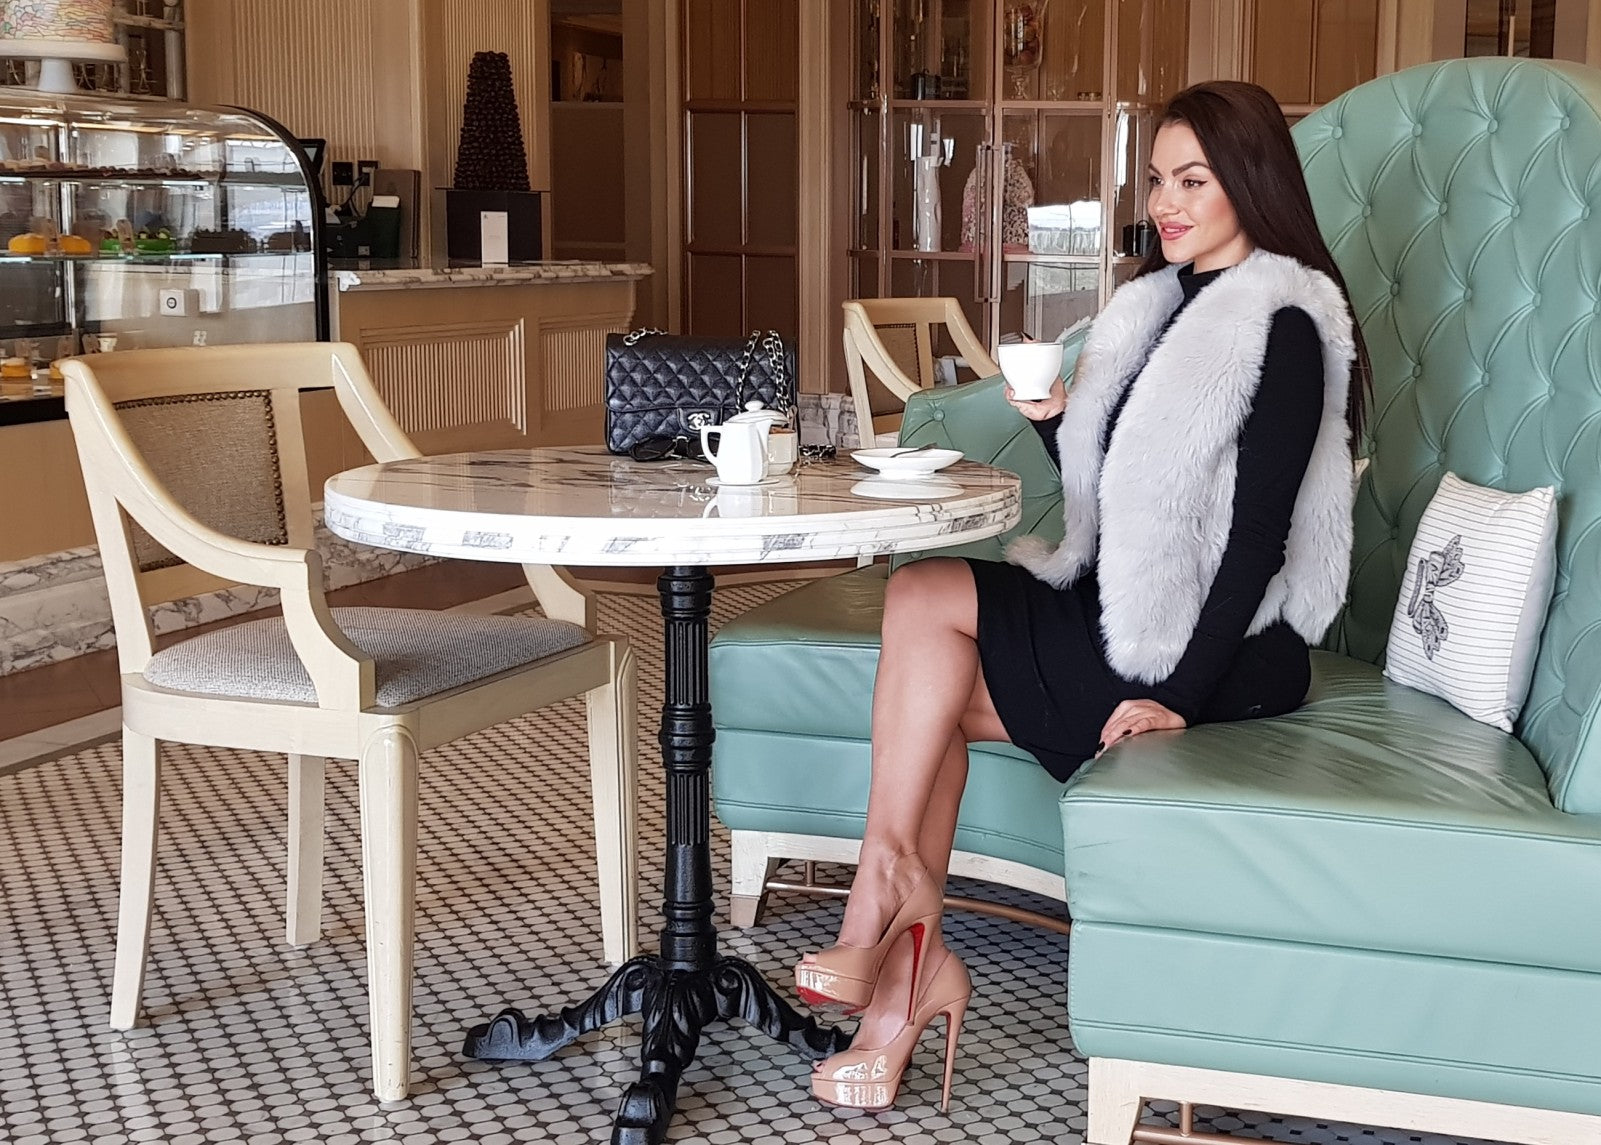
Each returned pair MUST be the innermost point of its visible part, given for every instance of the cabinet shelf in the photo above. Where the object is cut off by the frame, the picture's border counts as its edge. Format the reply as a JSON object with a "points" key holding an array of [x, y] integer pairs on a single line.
{"points": [[252, 180], [166, 258], [926, 255], [1027, 256]]}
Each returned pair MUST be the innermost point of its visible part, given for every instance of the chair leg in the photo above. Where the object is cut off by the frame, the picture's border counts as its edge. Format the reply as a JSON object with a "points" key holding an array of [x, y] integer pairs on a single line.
{"points": [[141, 813], [1115, 1103], [389, 871], [752, 868], [613, 784], [304, 897]]}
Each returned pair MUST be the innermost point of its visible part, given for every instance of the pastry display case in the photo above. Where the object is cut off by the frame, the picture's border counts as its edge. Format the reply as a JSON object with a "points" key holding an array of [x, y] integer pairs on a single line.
{"points": [[129, 223]]}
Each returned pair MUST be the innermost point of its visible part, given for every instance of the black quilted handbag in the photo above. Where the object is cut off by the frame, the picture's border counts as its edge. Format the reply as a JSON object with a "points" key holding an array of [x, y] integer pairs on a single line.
{"points": [[661, 388]]}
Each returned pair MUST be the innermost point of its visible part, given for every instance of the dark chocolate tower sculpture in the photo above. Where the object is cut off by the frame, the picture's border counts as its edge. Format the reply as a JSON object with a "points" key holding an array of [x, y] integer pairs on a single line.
{"points": [[490, 156], [491, 169]]}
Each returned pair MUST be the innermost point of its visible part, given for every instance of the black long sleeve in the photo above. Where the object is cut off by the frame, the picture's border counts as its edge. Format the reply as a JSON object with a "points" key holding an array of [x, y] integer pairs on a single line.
{"points": [[1275, 447], [1047, 431]]}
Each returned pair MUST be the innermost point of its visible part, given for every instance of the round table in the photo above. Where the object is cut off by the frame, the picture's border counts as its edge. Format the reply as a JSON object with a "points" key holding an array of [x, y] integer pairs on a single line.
{"points": [[583, 506]]}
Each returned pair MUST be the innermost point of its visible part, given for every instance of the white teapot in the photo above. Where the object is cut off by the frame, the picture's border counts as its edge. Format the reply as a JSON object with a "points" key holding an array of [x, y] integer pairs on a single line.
{"points": [[741, 454]]}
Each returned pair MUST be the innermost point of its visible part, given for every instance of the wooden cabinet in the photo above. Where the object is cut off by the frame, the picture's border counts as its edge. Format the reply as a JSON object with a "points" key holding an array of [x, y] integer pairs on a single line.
{"points": [[999, 151]]}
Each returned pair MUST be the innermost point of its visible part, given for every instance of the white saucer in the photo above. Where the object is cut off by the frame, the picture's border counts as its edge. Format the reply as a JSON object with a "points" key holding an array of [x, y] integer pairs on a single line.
{"points": [[905, 462], [906, 488], [717, 483]]}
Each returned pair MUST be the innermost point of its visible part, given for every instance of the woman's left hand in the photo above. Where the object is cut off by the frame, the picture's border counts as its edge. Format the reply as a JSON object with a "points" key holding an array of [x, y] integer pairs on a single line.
{"points": [[1132, 717]]}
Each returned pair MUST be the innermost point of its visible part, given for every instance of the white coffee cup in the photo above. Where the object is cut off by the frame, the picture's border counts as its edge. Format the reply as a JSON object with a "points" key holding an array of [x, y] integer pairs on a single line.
{"points": [[783, 451], [741, 453], [1031, 368]]}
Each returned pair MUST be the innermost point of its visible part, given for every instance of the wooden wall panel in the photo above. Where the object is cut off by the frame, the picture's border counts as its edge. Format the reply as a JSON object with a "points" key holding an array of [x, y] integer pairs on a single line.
{"points": [[450, 376], [1347, 39], [351, 79], [771, 62], [712, 49], [570, 354], [1282, 49]]}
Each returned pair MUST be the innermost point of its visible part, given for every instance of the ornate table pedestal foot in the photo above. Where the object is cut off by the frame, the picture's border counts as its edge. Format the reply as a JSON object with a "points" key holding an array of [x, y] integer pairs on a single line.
{"points": [[676, 1006], [686, 987]]}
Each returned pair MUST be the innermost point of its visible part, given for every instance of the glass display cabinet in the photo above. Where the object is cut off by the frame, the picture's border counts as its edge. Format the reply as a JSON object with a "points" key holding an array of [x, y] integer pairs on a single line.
{"points": [[1000, 150], [133, 224]]}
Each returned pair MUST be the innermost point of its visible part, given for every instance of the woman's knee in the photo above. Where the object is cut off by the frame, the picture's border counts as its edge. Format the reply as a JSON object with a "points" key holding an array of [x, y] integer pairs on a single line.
{"points": [[936, 592]]}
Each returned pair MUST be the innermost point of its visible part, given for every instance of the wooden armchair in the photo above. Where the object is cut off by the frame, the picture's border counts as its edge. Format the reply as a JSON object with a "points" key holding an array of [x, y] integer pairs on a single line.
{"points": [[894, 340], [196, 473]]}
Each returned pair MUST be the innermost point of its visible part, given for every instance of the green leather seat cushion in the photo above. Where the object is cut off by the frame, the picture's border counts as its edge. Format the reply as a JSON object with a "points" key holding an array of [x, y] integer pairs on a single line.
{"points": [[1485, 1031], [1374, 817], [809, 785], [803, 663], [792, 695]]}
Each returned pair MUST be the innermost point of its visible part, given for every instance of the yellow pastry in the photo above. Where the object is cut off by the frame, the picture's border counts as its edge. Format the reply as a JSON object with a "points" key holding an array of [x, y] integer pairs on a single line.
{"points": [[15, 368], [55, 371], [28, 243], [76, 244]]}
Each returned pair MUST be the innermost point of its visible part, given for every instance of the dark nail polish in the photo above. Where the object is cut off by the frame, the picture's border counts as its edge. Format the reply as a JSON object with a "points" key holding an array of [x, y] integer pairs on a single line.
{"points": [[1129, 732], [1100, 747]]}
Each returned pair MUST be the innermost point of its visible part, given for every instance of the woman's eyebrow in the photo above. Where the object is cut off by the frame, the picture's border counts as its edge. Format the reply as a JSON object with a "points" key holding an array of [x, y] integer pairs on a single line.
{"points": [[1181, 167]]}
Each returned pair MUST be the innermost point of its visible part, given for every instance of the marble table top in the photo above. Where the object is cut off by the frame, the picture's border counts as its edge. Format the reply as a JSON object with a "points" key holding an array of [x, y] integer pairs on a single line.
{"points": [[583, 506]]}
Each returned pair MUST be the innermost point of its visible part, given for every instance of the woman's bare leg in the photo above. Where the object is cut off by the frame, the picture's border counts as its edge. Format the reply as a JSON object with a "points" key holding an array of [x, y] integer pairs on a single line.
{"points": [[926, 673], [885, 1014]]}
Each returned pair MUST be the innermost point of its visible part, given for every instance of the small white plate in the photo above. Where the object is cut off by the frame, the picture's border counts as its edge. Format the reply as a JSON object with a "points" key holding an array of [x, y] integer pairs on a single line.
{"points": [[902, 462], [717, 483], [924, 488]]}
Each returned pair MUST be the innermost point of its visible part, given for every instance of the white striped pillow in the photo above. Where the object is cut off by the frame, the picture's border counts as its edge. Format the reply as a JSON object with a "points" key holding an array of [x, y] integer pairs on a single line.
{"points": [[1473, 601]]}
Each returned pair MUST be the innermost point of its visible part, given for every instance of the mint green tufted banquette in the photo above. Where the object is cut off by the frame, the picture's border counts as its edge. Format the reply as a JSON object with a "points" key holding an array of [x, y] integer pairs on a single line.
{"points": [[1373, 891], [1463, 203]]}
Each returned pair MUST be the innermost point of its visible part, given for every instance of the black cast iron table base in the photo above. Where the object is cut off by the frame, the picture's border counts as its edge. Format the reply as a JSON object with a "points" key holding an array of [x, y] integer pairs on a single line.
{"points": [[686, 987]]}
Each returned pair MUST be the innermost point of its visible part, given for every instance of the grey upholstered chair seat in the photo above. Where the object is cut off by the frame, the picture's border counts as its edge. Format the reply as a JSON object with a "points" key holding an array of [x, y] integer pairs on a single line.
{"points": [[415, 653]]}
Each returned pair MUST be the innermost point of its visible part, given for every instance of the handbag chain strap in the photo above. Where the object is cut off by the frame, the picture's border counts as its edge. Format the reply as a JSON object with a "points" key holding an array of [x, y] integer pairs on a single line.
{"points": [[769, 343]]}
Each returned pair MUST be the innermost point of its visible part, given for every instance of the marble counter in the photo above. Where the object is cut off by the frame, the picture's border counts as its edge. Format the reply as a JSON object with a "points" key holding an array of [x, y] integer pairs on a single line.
{"points": [[566, 273]]}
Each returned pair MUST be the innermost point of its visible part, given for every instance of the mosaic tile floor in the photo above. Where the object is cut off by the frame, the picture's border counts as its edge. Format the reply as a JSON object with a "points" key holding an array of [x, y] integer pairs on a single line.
{"points": [[251, 1040]]}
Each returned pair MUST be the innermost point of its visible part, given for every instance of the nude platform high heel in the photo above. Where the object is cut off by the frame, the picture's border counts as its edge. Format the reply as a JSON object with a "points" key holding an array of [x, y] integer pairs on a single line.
{"points": [[870, 1079], [844, 976]]}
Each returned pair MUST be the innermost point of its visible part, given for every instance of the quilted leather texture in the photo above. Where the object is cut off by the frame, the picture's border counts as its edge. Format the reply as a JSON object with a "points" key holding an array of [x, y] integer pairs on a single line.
{"points": [[1458, 199], [668, 385]]}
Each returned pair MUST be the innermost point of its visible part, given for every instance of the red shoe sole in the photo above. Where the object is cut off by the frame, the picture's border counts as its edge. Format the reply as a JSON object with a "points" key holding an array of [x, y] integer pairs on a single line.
{"points": [[813, 998]]}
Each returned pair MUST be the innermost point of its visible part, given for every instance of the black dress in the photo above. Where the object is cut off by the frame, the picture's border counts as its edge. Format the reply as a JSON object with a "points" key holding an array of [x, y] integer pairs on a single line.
{"points": [[1041, 647]]}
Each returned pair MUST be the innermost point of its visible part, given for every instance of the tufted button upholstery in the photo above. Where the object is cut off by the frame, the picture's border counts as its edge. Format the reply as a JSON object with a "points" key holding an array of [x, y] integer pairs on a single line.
{"points": [[1505, 392]]}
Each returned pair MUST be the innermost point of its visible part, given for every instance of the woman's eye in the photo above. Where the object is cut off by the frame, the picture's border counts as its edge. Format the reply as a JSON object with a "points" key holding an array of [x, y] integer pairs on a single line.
{"points": [[1154, 180], [1191, 184]]}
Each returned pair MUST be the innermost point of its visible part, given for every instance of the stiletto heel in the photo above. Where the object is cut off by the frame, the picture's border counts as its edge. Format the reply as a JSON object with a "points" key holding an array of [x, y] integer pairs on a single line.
{"points": [[953, 1030], [870, 1079], [843, 977]]}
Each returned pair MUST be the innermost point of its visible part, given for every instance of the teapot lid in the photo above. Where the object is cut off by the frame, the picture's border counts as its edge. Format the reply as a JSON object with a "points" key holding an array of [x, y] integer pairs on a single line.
{"points": [[755, 411]]}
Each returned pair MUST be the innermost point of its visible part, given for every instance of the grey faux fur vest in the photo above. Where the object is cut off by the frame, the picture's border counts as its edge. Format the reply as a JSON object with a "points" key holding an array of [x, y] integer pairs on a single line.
{"points": [[1159, 504]]}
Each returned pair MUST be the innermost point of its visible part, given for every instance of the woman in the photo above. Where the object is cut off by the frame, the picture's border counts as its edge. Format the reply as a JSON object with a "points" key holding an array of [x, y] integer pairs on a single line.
{"points": [[1206, 472]]}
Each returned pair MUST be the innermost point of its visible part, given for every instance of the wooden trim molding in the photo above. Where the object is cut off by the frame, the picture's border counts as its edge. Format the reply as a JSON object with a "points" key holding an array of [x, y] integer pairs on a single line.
{"points": [[1218, 34], [815, 351], [1119, 1090]]}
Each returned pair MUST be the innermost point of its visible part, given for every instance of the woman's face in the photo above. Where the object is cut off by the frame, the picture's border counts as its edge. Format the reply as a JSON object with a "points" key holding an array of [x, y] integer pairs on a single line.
{"points": [[1193, 216]]}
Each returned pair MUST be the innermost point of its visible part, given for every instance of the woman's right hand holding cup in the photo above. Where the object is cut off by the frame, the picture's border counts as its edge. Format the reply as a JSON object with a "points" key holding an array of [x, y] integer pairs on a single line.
{"points": [[1042, 409]]}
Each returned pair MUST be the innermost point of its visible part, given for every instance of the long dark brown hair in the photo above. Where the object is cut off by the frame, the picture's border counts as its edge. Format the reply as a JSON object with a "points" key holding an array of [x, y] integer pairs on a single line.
{"points": [[1248, 147]]}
